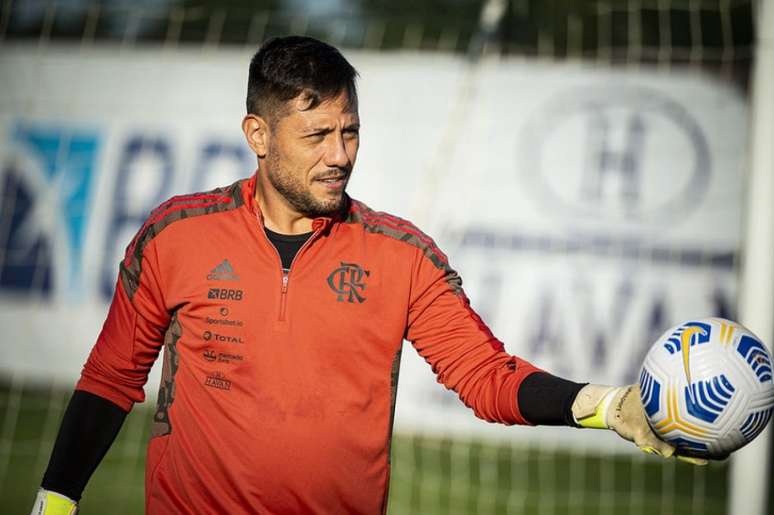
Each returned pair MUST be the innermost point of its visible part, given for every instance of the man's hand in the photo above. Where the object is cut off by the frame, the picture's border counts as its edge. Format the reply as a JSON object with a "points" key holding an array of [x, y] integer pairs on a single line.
{"points": [[620, 409], [52, 503]]}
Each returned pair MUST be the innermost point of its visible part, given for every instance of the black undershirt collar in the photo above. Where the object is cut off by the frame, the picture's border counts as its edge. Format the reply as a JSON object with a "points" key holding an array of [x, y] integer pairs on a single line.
{"points": [[287, 245]]}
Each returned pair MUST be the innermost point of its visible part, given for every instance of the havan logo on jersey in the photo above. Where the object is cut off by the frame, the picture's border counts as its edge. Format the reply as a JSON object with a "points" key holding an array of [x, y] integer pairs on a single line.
{"points": [[218, 380]]}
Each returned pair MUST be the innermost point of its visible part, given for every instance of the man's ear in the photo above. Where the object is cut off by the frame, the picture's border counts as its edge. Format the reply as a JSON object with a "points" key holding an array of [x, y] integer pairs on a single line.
{"points": [[256, 131]]}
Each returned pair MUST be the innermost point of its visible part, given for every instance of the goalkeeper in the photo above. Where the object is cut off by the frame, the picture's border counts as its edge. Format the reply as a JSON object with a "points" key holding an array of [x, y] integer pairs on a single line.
{"points": [[281, 305]]}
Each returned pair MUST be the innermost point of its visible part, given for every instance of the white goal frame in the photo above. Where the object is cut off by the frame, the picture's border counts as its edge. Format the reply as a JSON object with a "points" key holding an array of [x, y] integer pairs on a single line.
{"points": [[750, 467]]}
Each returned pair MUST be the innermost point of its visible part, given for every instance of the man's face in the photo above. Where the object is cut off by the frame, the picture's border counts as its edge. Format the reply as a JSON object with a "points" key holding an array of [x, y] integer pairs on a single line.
{"points": [[311, 154]]}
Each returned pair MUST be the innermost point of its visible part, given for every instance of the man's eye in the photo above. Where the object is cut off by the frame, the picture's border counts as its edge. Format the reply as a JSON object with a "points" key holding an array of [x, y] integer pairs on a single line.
{"points": [[351, 133], [317, 137]]}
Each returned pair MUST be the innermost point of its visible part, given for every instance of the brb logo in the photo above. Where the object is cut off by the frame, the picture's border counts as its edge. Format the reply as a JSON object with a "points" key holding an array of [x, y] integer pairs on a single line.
{"points": [[347, 282], [46, 179]]}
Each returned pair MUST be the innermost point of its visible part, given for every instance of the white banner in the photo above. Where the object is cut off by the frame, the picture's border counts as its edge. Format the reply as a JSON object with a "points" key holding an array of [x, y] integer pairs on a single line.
{"points": [[586, 209]]}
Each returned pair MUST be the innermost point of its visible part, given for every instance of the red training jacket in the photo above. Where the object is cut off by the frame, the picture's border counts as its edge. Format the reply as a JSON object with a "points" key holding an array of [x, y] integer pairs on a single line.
{"points": [[278, 392]]}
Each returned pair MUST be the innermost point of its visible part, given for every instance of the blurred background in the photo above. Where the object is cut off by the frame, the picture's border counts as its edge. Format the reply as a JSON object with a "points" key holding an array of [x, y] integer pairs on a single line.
{"points": [[584, 163]]}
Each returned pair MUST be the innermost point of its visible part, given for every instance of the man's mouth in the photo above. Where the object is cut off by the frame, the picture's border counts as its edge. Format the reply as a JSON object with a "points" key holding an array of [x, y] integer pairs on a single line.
{"points": [[333, 181]]}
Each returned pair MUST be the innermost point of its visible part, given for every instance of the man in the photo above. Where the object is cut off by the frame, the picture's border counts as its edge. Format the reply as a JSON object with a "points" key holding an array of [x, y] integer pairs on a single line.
{"points": [[281, 305]]}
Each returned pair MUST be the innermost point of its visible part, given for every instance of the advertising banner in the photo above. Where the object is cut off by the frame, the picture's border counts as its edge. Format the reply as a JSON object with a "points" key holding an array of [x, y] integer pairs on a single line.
{"points": [[587, 209]]}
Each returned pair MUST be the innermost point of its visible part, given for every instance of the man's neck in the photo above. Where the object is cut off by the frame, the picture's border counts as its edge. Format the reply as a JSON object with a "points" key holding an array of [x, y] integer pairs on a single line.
{"points": [[278, 215]]}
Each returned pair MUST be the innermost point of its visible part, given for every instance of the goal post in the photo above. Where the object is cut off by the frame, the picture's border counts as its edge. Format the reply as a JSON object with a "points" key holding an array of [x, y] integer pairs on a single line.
{"points": [[751, 466]]}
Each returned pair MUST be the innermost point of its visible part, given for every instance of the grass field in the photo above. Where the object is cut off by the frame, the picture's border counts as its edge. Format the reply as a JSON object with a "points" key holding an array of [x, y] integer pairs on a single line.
{"points": [[430, 475]]}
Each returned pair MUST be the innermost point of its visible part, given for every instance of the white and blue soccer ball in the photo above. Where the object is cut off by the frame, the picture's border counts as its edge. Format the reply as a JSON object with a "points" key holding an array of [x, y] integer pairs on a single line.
{"points": [[707, 388]]}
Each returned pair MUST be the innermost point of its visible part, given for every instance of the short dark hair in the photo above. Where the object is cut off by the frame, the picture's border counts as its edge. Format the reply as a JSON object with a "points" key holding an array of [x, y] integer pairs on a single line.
{"points": [[286, 67]]}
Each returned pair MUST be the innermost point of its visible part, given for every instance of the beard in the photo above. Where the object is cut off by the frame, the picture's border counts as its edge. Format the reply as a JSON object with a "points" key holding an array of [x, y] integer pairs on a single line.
{"points": [[296, 193]]}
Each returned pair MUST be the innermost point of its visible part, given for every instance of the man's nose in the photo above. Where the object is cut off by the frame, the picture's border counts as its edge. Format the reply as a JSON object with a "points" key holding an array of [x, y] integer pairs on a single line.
{"points": [[336, 153]]}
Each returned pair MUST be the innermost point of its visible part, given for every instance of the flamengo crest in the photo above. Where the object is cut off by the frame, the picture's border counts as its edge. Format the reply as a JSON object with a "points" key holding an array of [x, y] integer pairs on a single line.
{"points": [[347, 282]]}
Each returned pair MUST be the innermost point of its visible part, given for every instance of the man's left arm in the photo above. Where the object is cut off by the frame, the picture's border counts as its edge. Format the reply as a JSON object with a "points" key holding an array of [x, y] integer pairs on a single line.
{"points": [[499, 387], [467, 358]]}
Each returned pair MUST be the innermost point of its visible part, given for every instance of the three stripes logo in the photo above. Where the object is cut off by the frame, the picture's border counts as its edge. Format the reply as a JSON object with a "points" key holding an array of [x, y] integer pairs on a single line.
{"points": [[223, 272]]}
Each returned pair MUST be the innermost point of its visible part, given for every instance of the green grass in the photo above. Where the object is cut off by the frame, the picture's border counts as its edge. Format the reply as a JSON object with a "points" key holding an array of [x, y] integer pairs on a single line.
{"points": [[429, 475], [443, 476]]}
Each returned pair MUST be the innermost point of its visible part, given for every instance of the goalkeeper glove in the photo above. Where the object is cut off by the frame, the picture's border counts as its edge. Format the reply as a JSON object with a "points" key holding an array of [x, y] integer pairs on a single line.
{"points": [[620, 409], [52, 503]]}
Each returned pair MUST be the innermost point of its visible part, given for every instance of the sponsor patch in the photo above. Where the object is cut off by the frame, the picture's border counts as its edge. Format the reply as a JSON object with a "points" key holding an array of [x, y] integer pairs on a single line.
{"points": [[221, 338], [224, 294], [224, 321], [217, 380], [226, 357]]}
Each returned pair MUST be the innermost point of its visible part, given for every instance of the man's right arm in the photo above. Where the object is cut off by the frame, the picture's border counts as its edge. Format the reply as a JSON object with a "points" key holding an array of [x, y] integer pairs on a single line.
{"points": [[112, 379], [89, 426], [133, 333]]}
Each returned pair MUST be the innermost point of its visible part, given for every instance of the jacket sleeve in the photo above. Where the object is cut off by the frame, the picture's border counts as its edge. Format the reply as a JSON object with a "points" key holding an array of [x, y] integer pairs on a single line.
{"points": [[463, 352], [133, 332]]}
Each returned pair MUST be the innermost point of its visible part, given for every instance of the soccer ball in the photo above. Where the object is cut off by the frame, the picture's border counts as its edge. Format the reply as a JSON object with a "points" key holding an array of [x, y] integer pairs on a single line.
{"points": [[706, 386]]}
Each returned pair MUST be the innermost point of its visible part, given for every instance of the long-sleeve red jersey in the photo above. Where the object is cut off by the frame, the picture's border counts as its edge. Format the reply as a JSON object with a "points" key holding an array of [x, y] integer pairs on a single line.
{"points": [[278, 391]]}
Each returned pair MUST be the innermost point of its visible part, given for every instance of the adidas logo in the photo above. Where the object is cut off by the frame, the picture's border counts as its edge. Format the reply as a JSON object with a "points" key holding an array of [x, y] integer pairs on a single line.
{"points": [[223, 272]]}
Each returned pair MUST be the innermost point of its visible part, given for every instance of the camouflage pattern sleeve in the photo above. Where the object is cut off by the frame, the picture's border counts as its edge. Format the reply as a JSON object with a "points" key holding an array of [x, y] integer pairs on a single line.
{"points": [[133, 332]]}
